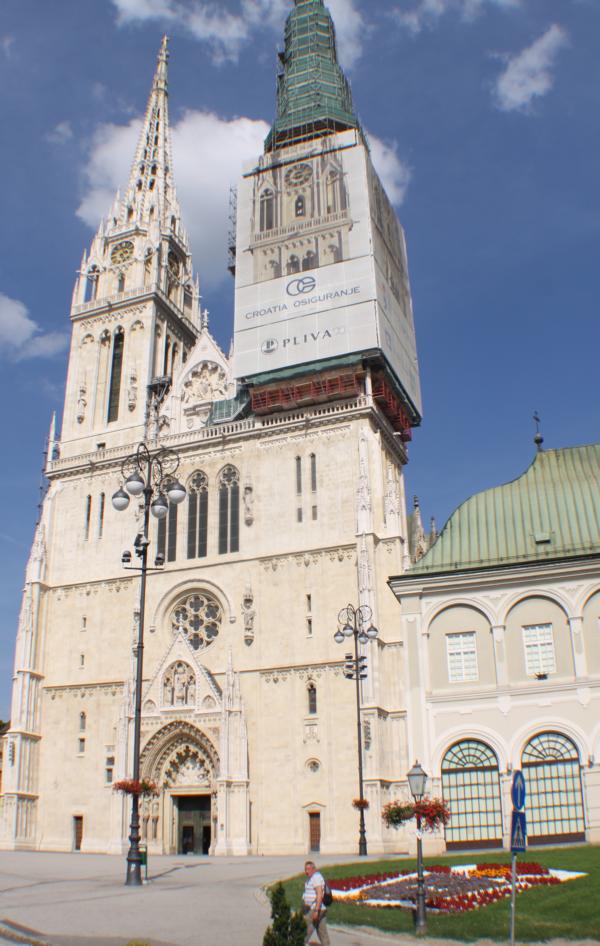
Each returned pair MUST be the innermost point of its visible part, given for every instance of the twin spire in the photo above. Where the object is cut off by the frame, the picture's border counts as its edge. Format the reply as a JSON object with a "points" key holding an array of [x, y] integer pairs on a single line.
{"points": [[150, 198]]}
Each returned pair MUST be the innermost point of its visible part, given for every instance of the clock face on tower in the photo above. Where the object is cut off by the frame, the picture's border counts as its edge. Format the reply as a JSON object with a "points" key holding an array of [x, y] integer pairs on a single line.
{"points": [[122, 252], [299, 175]]}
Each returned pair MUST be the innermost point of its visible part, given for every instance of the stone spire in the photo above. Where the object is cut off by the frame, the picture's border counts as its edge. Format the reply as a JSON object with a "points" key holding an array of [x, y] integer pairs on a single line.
{"points": [[150, 197], [313, 94]]}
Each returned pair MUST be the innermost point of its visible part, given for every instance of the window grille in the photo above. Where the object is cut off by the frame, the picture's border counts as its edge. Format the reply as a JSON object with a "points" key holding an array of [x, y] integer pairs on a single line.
{"points": [[552, 770], [461, 652], [538, 641], [471, 786]]}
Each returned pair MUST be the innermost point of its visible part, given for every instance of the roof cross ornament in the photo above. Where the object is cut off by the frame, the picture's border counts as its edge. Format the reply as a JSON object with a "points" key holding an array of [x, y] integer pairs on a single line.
{"points": [[538, 439]]}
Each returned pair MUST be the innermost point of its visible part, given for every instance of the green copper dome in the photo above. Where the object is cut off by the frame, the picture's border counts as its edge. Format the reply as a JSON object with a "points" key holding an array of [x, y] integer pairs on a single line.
{"points": [[313, 94]]}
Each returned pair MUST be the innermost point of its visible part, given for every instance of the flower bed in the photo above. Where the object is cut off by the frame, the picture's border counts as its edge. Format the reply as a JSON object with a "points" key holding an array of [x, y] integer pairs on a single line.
{"points": [[448, 889]]}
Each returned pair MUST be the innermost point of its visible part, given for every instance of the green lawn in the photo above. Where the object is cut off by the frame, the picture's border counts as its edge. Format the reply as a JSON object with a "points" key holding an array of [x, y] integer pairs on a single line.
{"points": [[571, 910]]}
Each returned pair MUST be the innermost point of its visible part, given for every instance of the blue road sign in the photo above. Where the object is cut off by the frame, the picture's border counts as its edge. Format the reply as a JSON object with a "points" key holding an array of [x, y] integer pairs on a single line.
{"points": [[518, 792], [518, 833]]}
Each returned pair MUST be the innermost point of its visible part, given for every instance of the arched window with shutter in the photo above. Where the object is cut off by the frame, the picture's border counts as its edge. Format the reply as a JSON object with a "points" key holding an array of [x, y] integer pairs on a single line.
{"points": [[229, 510]]}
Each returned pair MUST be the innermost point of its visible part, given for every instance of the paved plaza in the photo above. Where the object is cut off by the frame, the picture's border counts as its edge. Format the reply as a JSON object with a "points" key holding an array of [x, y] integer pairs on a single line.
{"points": [[81, 900]]}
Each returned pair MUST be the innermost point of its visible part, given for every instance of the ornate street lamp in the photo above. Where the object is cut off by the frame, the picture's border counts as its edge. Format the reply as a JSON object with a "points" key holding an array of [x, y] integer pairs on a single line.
{"points": [[417, 781], [356, 622], [151, 474]]}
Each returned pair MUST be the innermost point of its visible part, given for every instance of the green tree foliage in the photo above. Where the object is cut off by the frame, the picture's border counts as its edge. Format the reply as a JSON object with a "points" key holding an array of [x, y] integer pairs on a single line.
{"points": [[286, 929]]}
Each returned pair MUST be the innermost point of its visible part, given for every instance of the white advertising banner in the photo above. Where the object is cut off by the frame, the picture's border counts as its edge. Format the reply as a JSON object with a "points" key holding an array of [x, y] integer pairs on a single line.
{"points": [[319, 290], [306, 338]]}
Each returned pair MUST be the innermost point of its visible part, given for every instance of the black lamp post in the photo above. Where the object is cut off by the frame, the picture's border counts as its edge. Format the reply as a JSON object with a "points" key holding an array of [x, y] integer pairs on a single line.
{"points": [[417, 780], [356, 622], [151, 474]]}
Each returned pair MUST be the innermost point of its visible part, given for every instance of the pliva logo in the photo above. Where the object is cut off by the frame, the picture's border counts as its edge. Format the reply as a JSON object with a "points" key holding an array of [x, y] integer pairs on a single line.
{"points": [[271, 345]]}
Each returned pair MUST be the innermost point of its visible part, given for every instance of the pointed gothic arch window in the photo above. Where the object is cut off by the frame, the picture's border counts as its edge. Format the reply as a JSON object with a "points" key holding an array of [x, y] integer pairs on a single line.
{"points": [[197, 539], [293, 265], [91, 284], [267, 210], [82, 722], [121, 282], [115, 376], [229, 510], [300, 206], [129, 214], [167, 534], [312, 699]]}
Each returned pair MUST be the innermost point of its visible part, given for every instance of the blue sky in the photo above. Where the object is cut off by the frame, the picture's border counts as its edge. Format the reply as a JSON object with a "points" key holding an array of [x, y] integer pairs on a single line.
{"points": [[483, 117]]}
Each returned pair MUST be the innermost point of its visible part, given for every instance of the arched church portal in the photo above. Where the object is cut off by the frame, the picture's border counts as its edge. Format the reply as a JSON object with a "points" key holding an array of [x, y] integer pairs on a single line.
{"points": [[184, 763]]}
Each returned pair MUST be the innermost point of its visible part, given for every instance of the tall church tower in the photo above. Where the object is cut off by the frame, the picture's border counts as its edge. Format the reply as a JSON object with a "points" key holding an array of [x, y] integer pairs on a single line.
{"points": [[322, 277], [135, 311], [292, 454]]}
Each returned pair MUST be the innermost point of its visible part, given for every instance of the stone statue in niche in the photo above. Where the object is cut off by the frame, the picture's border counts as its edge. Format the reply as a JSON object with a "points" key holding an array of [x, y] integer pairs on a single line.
{"points": [[81, 403], [248, 615], [179, 685], [132, 392], [248, 503], [207, 382]]}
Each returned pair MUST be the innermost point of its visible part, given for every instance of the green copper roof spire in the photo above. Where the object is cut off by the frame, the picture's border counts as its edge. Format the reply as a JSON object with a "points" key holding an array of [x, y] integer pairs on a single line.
{"points": [[313, 94]]}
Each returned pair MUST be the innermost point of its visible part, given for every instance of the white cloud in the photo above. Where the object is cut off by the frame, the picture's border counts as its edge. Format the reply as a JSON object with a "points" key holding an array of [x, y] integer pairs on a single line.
{"points": [[60, 134], [21, 337], [208, 154], [132, 10], [226, 33], [528, 75], [6, 45], [425, 14], [395, 174]]}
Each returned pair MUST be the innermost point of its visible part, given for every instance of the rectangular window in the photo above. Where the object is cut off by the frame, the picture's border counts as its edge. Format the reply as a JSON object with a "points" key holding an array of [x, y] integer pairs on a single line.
{"points": [[461, 651], [309, 603], [315, 513], [109, 769], [313, 473], [82, 660], [298, 476], [299, 514], [77, 832], [81, 745], [538, 641]]}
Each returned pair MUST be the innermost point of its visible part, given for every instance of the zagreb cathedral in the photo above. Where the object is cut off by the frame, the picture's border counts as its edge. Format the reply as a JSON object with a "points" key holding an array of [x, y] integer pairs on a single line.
{"points": [[479, 657]]}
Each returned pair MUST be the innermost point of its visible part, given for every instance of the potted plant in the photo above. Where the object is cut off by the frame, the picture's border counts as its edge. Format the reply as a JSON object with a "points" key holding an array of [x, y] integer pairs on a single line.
{"points": [[360, 803], [130, 786]]}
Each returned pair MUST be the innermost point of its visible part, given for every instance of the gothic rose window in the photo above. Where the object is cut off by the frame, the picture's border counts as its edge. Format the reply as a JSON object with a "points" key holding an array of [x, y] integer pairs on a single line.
{"points": [[122, 252], [198, 617], [179, 685]]}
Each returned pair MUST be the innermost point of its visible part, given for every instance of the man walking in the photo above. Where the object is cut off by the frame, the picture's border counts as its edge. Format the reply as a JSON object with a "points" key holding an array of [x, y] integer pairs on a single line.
{"points": [[312, 904]]}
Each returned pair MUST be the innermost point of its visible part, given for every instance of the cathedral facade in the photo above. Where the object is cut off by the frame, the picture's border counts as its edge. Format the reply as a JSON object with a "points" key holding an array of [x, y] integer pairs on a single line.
{"points": [[292, 454]]}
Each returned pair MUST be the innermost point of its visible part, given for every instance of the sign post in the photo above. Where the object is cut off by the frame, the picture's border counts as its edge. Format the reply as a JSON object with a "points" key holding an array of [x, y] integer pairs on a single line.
{"points": [[518, 840]]}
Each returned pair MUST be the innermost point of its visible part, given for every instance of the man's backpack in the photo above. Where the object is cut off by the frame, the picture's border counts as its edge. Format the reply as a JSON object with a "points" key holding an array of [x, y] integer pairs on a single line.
{"points": [[327, 895]]}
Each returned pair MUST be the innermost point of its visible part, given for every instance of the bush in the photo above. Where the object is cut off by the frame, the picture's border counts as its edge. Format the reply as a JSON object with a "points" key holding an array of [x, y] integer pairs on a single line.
{"points": [[287, 929], [137, 942]]}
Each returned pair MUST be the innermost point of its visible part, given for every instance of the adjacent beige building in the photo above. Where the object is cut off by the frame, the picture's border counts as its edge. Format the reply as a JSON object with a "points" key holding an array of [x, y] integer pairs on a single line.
{"points": [[500, 622]]}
